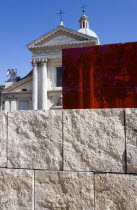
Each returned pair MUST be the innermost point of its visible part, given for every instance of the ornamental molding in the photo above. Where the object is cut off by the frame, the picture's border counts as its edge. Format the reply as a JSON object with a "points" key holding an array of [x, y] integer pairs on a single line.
{"points": [[91, 42], [37, 61], [41, 52]]}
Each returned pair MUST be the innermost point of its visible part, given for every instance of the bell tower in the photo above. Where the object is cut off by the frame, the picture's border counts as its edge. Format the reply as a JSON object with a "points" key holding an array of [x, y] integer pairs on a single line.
{"points": [[84, 26], [84, 20]]}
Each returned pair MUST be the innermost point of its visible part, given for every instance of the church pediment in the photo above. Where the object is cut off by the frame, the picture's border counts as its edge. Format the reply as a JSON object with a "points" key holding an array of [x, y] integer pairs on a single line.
{"points": [[57, 40], [59, 36]]}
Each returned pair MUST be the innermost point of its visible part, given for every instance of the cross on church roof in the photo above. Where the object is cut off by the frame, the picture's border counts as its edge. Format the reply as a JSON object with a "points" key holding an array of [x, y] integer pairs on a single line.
{"points": [[84, 9], [61, 13]]}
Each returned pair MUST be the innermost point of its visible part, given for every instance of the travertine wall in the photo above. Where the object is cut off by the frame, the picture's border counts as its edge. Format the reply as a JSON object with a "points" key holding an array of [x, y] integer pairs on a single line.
{"points": [[68, 160]]}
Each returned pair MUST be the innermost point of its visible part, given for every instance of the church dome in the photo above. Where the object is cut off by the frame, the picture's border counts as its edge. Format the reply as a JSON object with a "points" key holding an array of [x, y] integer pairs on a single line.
{"points": [[84, 27], [83, 18], [88, 32]]}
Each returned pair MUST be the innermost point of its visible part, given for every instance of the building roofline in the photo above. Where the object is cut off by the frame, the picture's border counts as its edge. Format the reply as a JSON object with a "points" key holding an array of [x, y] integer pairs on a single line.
{"points": [[59, 28], [15, 85], [65, 44]]}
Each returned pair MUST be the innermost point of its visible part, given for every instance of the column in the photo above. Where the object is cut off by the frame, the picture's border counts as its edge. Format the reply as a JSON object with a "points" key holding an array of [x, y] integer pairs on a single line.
{"points": [[44, 98], [35, 86]]}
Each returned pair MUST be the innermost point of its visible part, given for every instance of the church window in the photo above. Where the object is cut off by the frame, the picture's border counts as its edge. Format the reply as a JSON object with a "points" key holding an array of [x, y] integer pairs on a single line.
{"points": [[59, 76], [23, 105]]}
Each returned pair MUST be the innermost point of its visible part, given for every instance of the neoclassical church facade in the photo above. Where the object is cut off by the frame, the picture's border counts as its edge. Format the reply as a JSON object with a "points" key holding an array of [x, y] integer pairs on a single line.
{"points": [[41, 89]]}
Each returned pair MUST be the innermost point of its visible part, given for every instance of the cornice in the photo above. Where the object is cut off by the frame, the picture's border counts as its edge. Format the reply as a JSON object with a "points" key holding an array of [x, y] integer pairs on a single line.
{"points": [[64, 45], [19, 92]]}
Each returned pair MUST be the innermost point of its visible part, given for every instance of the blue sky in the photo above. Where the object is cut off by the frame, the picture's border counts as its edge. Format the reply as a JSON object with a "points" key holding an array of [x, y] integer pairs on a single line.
{"points": [[22, 21]]}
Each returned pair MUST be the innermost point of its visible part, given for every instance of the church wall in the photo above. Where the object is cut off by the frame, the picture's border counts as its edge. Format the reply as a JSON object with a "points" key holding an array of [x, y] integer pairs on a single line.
{"points": [[12, 100], [17, 95], [68, 159]]}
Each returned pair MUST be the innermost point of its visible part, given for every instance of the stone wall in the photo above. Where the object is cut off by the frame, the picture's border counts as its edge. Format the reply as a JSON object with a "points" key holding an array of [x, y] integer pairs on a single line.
{"points": [[68, 160]]}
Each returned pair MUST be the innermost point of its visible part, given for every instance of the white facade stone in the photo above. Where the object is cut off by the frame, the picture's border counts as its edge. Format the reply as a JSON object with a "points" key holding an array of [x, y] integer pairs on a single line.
{"points": [[13, 105], [7, 105]]}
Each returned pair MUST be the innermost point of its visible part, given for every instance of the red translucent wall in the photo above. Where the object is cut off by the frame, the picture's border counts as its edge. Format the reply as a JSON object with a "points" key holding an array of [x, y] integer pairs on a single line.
{"points": [[100, 77]]}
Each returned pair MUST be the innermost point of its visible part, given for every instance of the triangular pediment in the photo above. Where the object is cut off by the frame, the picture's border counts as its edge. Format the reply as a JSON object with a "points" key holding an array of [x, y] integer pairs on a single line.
{"points": [[57, 39], [15, 87], [59, 36]]}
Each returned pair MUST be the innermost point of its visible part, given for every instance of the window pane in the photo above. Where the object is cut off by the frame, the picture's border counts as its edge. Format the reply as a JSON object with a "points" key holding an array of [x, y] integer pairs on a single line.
{"points": [[23, 105], [59, 76]]}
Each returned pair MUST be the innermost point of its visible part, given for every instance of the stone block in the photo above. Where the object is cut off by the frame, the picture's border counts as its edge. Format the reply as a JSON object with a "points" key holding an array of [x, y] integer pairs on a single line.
{"points": [[94, 140], [114, 191], [64, 190], [131, 140], [35, 139], [16, 189], [3, 139]]}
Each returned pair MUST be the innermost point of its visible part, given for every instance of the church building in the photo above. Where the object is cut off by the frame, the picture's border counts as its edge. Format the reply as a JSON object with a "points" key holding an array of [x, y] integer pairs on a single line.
{"points": [[41, 89]]}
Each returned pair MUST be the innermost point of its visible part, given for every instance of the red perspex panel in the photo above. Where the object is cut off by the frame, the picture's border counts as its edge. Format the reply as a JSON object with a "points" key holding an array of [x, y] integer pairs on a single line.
{"points": [[130, 67], [92, 54], [112, 76], [100, 77], [72, 79]]}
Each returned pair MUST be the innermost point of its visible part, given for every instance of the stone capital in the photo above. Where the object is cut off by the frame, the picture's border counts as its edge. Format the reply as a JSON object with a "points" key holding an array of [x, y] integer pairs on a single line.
{"points": [[33, 62], [44, 61]]}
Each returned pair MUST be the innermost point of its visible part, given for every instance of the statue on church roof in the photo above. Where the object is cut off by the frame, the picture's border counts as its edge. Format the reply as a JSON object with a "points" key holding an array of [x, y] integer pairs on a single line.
{"points": [[13, 74]]}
